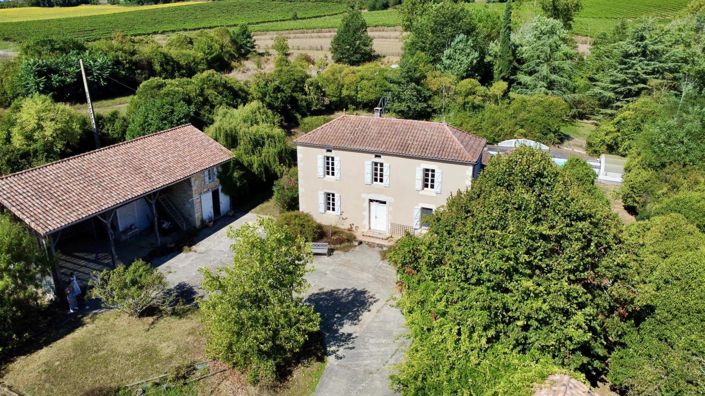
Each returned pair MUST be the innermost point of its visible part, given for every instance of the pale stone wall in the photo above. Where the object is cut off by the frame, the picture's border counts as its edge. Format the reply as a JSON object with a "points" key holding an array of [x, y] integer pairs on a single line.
{"points": [[181, 195], [199, 186], [401, 195]]}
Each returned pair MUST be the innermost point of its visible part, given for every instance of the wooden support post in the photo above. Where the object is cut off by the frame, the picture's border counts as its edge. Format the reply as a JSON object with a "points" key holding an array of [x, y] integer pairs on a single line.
{"points": [[111, 235], [152, 199], [50, 250]]}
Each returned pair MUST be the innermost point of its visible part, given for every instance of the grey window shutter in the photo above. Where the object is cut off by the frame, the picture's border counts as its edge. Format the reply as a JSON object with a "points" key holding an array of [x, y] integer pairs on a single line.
{"points": [[337, 168], [320, 166], [386, 174], [368, 172], [439, 181], [337, 204], [417, 218], [322, 202], [419, 179]]}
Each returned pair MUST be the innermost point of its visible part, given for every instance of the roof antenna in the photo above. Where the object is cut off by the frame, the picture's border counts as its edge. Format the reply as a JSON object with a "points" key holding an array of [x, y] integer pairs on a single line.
{"points": [[90, 106]]}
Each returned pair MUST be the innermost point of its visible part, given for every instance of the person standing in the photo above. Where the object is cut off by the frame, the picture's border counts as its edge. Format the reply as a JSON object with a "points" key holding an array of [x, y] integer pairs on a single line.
{"points": [[71, 297], [76, 288]]}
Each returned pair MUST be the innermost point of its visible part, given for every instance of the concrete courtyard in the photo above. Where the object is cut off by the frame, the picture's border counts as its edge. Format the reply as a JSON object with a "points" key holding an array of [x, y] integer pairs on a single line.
{"points": [[354, 292]]}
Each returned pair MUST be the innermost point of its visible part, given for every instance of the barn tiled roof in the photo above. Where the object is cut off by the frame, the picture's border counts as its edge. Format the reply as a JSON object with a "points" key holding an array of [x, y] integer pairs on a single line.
{"points": [[562, 385], [393, 136], [53, 196]]}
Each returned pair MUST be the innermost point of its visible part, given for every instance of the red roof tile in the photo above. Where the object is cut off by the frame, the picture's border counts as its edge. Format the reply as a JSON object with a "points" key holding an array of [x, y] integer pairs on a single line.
{"points": [[53, 196], [393, 136]]}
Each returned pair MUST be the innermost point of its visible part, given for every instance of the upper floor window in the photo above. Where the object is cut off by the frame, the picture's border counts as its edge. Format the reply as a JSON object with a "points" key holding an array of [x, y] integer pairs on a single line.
{"points": [[429, 179], [377, 172], [211, 175], [329, 163]]}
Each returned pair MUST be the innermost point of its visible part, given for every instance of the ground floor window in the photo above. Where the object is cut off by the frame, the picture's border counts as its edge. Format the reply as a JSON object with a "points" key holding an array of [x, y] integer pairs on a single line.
{"points": [[425, 217], [330, 202]]}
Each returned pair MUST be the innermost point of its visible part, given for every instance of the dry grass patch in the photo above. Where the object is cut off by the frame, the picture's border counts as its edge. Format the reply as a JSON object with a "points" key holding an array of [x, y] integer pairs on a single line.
{"points": [[110, 349]]}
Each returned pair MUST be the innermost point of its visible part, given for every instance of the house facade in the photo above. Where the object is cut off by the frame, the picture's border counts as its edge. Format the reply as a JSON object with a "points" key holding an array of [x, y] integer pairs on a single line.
{"points": [[382, 177]]}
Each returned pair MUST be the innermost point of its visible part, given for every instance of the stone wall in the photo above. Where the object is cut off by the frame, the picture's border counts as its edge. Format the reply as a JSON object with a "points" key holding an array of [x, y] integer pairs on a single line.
{"points": [[199, 186], [181, 195]]}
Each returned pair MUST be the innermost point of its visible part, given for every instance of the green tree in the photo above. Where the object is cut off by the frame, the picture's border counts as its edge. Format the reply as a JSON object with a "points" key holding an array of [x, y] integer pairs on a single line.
{"points": [[352, 44], [261, 152], [546, 59], [22, 266], [286, 190], [41, 129], [283, 90], [562, 10], [254, 316], [504, 65], [244, 42], [461, 58], [161, 104], [661, 353], [132, 289], [523, 261]]}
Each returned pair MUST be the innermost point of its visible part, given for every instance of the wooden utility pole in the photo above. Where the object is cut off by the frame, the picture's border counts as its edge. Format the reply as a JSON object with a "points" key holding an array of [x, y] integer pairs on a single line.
{"points": [[90, 105]]}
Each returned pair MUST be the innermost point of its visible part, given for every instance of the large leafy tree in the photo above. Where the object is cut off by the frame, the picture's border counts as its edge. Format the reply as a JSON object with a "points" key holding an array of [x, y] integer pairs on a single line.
{"points": [[662, 352], [21, 267], [40, 130], [562, 10], [352, 44], [461, 58], [521, 262], [283, 90], [260, 149], [254, 316], [160, 104], [546, 58]]}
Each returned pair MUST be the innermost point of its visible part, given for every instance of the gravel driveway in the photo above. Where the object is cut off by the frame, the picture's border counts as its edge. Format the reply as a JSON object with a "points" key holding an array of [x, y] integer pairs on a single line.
{"points": [[353, 291]]}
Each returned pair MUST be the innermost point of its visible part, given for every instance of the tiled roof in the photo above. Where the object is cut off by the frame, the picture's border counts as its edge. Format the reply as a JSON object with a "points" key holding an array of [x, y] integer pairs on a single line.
{"points": [[56, 195], [393, 136]]}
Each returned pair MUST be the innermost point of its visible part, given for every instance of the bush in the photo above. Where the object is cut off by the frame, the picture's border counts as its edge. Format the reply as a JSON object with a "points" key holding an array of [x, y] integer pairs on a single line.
{"points": [[132, 289], [302, 225], [689, 204], [21, 269], [286, 190], [254, 317], [307, 124]]}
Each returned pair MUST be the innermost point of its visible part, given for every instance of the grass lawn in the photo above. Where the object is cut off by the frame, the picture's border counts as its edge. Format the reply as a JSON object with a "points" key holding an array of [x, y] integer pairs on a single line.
{"points": [[112, 349], [21, 14], [579, 129], [109, 349], [190, 16], [105, 106]]}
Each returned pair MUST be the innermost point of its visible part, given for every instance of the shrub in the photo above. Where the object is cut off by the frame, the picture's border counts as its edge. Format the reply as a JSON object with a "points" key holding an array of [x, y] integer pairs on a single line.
{"points": [[21, 268], [302, 225], [254, 317], [132, 289], [689, 204], [286, 190], [307, 124]]}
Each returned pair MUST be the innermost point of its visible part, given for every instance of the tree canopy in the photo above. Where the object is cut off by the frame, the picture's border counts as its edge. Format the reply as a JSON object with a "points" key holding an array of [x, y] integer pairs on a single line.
{"points": [[522, 262], [254, 316], [352, 44]]}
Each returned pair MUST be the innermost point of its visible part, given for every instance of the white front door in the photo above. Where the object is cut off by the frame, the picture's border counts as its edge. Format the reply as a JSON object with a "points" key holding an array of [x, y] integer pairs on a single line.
{"points": [[224, 202], [378, 216], [207, 206]]}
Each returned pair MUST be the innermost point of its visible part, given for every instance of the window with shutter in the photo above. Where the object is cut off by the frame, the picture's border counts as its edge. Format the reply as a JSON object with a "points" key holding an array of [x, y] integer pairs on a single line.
{"points": [[368, 172]]}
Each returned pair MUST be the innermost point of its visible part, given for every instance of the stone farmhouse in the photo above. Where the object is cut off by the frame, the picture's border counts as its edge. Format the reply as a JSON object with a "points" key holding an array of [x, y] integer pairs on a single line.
{"points": [[381, 177], [150, 185]]}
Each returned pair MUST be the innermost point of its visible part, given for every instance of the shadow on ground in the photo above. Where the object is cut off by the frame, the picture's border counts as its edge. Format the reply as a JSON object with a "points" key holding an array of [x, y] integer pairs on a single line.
{"points": [[339, 308]]}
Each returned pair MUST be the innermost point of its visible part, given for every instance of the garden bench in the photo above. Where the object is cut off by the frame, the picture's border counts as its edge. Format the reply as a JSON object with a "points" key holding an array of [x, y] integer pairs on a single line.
{"points": [[320, 248]]}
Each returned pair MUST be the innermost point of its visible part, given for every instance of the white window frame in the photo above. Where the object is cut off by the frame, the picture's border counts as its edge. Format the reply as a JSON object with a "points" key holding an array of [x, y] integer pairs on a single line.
{"points": [[378, 174], [329, 202], [418, 210], [428, 179], [329, 168]]}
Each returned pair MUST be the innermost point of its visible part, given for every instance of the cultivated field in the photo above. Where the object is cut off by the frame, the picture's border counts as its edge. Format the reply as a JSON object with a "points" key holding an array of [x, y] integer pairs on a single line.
{"points": [[42, 13], [316, 43], [190, 16]]}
